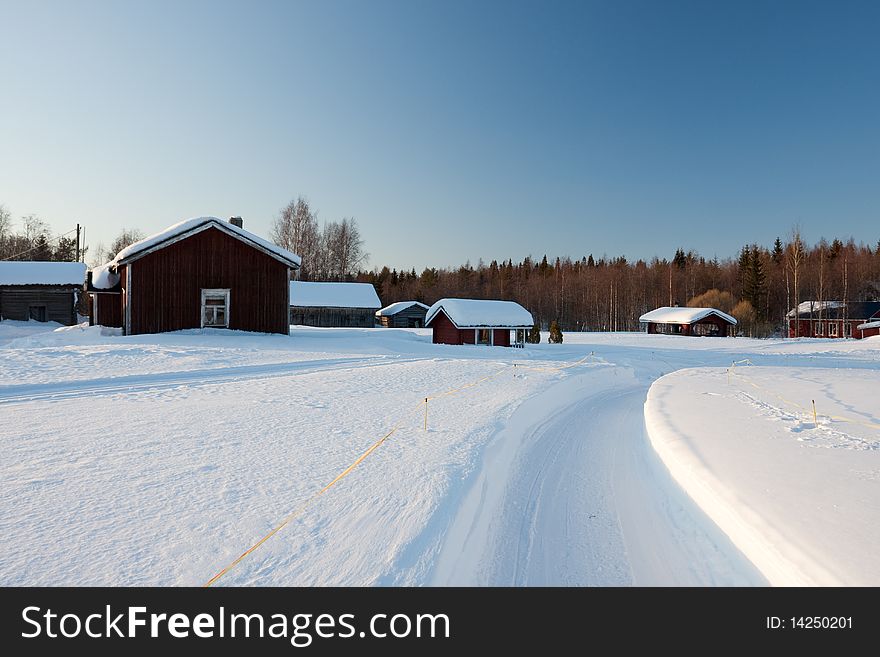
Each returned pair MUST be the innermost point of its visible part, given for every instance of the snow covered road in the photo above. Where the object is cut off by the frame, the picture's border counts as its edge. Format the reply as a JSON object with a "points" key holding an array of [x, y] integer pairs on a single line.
{"points": [[580, 499]]}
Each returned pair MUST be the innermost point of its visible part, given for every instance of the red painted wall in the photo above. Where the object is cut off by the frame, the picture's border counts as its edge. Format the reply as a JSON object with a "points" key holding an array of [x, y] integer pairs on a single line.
{"points": [[166, 285], [444, 331], [501, 337]]}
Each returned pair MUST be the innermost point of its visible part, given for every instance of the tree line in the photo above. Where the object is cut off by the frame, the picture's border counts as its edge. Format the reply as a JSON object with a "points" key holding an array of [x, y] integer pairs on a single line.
{"points": [[610, 294], [34, 240]]}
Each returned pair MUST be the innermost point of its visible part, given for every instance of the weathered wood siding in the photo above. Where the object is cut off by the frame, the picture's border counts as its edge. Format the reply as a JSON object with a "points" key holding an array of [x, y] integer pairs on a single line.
{"points": [[166, 285], [412, 317], [333, 317], [106, 310], [15, 303]]}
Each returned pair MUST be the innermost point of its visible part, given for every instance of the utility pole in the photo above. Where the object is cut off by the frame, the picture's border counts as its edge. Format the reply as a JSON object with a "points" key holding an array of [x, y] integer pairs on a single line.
{"points": [[77, 242]]}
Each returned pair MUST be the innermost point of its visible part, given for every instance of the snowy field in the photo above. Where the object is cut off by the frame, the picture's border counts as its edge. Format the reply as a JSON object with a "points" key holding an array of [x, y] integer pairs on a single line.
{"points": [[157, 460]]}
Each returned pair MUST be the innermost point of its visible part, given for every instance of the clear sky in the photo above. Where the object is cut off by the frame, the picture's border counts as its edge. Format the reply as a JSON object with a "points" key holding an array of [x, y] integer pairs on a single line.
{"points": [[451, 130]]}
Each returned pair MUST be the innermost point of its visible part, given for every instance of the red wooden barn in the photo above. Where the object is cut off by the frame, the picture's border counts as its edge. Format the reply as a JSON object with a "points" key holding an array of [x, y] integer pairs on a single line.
{"points": [[478, 321], [200, 273]]}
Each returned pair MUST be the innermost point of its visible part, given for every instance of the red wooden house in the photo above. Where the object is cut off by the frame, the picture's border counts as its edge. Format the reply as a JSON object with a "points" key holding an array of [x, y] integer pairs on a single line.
{"points": [[833, 319], [477, 321], [200, 273]]}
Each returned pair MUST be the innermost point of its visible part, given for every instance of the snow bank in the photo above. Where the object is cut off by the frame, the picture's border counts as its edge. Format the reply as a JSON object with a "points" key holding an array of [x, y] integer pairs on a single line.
{"points": [[42, 273], [333, 295], [476, 313], [799, 500]]}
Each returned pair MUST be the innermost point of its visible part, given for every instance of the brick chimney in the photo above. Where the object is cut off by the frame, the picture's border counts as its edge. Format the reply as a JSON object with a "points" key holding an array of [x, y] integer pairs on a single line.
{"points": [[236, 221]]}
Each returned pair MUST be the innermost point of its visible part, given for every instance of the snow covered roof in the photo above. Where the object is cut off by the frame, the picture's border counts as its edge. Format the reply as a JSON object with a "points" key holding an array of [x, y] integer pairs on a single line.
{"points": [[682, 315], [473, 313], [807, 307], [42, 273], [201, 223], [395, 308], [853, 310], [333, 295], [104, 278], [869, 325]]}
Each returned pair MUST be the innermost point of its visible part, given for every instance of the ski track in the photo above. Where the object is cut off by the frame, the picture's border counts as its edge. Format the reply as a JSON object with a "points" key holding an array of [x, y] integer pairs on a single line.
{"points": [[18, 394], [580, 499]]}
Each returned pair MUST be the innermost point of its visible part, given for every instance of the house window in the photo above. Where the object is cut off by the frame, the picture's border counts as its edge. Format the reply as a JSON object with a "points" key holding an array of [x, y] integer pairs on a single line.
{"points": [[847, 330], [832, 329], [215, 308], [820, 329], [484, 336], [37, 313]]}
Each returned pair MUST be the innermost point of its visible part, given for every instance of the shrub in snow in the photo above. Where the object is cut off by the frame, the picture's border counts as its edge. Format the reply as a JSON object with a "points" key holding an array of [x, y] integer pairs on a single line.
{"points": [[534, 336], [555, 333]]}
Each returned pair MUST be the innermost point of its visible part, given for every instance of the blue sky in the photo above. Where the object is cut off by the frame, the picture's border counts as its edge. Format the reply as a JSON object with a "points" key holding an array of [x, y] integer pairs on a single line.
{"points": [[451, 130]]}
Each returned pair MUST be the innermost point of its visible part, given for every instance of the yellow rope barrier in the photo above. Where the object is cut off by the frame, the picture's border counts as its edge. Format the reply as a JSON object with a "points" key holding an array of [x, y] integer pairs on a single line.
{"points": [[871, 425], [361, 458]]}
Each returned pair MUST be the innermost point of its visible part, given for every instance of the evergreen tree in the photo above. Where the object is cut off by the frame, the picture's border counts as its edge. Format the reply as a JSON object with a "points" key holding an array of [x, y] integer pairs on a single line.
{"points": [[777, 251], [555, 333], [534, 336], [42, 250], [680, 260], [65, 251]]}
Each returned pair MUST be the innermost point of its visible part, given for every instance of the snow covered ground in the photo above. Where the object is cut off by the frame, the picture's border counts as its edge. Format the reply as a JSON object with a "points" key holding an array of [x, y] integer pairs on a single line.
{"points": [[141, 460], [801, 501]]}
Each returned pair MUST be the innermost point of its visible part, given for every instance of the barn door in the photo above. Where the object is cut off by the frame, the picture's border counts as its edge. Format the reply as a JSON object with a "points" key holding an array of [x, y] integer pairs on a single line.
{"points": [[215, 308]]}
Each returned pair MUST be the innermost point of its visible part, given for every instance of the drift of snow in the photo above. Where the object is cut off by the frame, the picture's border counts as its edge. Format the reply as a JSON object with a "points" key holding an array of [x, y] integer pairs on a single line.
{"points": [[200, 223], [104, 278], [682, 315], [395, 308], [333, 295], [42, 273], [799, 500], [479, 313]]}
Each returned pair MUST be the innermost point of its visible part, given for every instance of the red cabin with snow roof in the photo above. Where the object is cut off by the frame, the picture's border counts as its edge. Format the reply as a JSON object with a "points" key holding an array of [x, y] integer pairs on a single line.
{"points": [[200, 273], [478, 321]]}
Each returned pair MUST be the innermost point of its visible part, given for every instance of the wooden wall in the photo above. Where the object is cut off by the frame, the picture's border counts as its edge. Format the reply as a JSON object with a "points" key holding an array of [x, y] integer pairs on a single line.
{"points": [[333, 317], [15, 302], [166, 285], [109, 310]]}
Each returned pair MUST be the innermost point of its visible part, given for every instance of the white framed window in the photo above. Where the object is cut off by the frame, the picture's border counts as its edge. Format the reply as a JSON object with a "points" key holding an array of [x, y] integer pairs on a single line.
{"points": [[215, 307], [832, 329], [847, 330], [820, 328]]}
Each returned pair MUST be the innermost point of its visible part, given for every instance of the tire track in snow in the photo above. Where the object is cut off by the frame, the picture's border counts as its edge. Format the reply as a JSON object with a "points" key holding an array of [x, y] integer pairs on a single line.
{"points": [[19, 394]]}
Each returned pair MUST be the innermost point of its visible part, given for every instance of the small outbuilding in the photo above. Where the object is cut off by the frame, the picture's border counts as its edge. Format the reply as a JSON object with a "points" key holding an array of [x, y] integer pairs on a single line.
{"points": [[689, 321], [403, 314], [479, 321], [868, 329], [40, 291], [340, 305], [199, 273]]}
